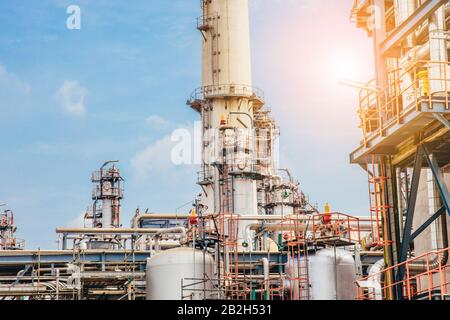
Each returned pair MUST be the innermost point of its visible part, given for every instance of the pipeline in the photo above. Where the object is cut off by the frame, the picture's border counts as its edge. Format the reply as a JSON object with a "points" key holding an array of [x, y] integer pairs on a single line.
{"points": [[110, 231], [266, 269], [422, 265], [267, 227], [159, 234], [415, 267], [138, 218], [375, 273]]}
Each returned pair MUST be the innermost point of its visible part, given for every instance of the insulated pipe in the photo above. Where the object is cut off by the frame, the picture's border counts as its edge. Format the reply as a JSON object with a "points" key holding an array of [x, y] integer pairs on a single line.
{"points": [[216, 189], [291, 180], [267, 227], [105, 231], [158, 235], [363, 225], [291, 217], [281, 227], [266, 269], [416, 267], [22, 290], [422, 265], [375, 272], [275, 227], [137, 219], [417, 53]]}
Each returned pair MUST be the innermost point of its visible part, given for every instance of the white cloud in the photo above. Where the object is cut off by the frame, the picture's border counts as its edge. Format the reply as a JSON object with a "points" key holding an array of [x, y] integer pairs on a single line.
{"points": [[78, 222], [169, 185], [72, 97], [156, 160], [10, 82], [157, 121]]}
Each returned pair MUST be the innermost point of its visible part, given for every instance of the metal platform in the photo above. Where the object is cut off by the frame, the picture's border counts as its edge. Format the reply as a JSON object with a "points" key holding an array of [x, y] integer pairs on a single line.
{"points": [[396, 134]]}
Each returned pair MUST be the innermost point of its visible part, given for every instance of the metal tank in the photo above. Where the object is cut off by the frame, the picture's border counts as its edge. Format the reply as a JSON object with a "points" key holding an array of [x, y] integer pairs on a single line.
{"points": [[170, 275], [332, 276]]}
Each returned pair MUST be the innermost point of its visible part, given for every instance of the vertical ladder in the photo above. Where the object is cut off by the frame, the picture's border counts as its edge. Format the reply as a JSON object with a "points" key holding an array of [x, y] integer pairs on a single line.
{"points": [[298, 262], [228, 229], [377, 199], [228, 235], [227, 205], [215, 48]]}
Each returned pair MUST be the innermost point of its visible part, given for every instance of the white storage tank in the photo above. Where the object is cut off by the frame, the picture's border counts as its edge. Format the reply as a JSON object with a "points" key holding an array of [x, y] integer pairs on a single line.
{"points": [[168, 271], [332, 276]]}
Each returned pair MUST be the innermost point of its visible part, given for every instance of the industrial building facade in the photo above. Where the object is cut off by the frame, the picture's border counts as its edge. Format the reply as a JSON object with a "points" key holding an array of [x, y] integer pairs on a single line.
{"points": [[405, 146]]}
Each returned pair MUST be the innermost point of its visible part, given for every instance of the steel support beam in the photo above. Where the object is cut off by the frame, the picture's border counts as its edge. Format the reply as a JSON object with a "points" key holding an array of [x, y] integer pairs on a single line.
{"points": [[438, 176], [392, 228], [412, 199], [409, 25], [427, 223], [439, 179], [442, 119]]}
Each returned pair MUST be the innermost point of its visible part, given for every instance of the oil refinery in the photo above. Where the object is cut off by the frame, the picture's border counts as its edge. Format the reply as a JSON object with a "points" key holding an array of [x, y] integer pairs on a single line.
{"points": [[252, 233]]}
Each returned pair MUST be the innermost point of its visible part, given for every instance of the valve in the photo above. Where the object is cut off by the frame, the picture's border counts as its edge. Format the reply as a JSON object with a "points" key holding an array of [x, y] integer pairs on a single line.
{"points": [[193, 217], [326, 218], [223, 120]]}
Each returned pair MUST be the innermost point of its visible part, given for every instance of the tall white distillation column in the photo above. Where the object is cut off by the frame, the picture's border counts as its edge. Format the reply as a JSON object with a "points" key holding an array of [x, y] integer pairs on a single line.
{"points": [[226, 103]]}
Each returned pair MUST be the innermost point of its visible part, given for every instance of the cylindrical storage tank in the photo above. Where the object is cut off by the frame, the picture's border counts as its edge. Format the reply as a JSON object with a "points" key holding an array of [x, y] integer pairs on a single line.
{"points": [[332, 276], [171, 270]]}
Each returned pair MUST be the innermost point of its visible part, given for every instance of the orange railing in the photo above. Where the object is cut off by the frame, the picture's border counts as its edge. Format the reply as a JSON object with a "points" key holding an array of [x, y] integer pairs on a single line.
{"points": [[228, 227], [423, 82], [377, 200], [432, 282]]}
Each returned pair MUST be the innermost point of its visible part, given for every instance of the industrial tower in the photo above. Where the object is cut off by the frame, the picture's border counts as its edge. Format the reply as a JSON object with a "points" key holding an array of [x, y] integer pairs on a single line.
{"points": [[106, 195], [8, 240], [239, 174]]}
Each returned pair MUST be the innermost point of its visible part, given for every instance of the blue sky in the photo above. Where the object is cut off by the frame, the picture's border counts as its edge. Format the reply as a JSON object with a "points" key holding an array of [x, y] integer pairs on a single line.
{"points": [[116, 89]]}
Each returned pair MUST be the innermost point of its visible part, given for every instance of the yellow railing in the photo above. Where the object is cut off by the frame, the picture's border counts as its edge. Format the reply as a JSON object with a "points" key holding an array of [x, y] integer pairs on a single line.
{"points": [[423, 82]]}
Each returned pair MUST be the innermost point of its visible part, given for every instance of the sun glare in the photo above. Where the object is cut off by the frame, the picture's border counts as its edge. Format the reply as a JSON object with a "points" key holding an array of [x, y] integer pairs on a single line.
{"points": [[348, 66]]}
